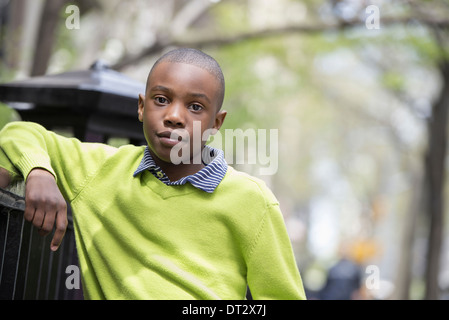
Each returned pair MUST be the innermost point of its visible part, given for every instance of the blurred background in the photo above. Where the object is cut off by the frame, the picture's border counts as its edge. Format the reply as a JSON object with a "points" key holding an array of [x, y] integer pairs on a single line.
{"points": [[359, 93]]}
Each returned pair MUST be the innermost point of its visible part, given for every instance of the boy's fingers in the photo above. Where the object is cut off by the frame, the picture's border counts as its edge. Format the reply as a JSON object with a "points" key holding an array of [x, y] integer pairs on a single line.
{"points": [[45, 205], [47, 225], [38, 218], [29, 212], [61, 226]]}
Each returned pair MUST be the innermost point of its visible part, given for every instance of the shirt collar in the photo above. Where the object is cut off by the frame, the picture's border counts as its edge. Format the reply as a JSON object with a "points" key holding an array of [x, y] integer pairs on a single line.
{"points": [[207, 179]]}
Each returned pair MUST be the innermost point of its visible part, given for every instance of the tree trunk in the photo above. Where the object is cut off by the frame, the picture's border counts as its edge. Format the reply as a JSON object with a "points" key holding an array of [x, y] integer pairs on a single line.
{"points": [[12, 47], [50, 19], [435, 176], [404, 269]]}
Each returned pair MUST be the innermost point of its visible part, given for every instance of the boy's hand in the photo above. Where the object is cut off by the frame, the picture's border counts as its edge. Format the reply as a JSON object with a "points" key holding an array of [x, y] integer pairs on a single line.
{"points": [[45, 206]]}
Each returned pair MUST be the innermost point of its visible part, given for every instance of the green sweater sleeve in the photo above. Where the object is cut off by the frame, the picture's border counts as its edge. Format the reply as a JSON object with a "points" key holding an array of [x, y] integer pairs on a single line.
{"points": [[26, 145], [5, 163], [272, 269]]}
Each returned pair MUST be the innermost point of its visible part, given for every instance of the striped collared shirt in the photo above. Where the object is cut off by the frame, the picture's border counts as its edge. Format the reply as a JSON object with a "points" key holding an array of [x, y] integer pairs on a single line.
{"points": [[207, 179]]}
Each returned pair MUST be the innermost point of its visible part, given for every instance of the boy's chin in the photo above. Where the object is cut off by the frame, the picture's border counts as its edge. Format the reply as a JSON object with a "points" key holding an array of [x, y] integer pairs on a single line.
{"points": [[176, 156], [164, 158]]}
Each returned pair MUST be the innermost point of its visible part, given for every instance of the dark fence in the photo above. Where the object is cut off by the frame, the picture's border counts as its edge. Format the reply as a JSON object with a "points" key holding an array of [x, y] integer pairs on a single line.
{"points": [[29, 270]]}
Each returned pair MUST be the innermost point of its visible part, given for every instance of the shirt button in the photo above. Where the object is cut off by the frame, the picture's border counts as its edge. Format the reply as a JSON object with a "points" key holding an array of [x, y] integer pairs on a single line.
{"points": [[160, 174]]}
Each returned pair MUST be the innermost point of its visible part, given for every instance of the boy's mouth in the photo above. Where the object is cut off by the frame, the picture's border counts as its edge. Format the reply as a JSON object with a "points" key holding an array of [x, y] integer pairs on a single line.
{"points": [[171, 138]]}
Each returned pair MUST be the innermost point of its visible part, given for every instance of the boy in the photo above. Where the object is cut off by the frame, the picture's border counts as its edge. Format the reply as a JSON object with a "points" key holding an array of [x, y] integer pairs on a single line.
{"points": [[147, 228]]}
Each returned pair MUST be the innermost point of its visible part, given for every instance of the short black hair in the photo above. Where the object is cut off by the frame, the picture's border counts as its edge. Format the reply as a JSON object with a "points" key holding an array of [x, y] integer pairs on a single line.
{"points": [[199, 59]]}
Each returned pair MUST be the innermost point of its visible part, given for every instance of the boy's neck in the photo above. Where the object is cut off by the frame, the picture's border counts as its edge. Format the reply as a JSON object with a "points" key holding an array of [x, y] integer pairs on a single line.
{"points": [[177, 171]]}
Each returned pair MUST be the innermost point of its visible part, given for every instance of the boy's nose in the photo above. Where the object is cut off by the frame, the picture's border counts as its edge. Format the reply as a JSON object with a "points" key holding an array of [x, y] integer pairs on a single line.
{"points": [[174, 116]]}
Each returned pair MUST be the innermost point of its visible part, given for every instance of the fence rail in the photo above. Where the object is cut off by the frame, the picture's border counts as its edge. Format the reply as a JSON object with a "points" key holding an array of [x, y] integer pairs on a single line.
{"points": [[29, 270]]}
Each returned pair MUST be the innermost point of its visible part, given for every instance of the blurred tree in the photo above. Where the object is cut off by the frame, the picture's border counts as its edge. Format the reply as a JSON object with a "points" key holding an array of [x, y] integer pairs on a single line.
{"points": [[435, 157], [435, 161], [46, 36]]}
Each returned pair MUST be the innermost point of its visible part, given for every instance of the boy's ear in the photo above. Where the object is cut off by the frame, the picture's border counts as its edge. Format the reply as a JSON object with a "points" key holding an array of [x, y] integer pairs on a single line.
{"points": [[141, 105], [219, 119]]}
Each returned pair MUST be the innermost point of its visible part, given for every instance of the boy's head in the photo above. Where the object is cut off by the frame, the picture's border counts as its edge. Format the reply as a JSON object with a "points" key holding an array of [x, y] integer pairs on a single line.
{"points": [[196, 58], [185, 90]]}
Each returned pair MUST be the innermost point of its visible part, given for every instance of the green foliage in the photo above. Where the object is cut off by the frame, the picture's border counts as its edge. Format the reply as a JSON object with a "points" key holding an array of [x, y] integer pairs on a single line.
{"points": [[393, 80], [230, 17], [7, 115]]}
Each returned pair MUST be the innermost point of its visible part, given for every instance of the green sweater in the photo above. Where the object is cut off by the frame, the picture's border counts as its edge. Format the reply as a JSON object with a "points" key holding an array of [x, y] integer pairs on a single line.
{"points": [[138, 238]]}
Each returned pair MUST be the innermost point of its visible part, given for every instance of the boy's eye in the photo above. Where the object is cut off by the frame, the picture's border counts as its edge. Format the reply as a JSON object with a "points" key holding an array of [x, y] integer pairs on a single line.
{"points": [[196, 107], [161, 100]]}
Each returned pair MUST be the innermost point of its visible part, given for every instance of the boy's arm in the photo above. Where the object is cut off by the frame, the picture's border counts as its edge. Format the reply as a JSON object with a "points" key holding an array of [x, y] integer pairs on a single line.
{"points": [[43, 209], [272, 269], [55, 169], [8, 173], [5, 178], [27, 145]]}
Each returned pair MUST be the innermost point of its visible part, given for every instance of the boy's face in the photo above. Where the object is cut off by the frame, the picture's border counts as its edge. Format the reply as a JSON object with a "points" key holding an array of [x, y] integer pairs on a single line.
{"points": [[177, 96]]}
